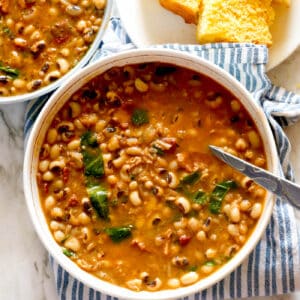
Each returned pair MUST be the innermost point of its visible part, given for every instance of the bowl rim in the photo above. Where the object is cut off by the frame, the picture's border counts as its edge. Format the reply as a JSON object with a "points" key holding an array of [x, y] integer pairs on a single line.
{"points": [[75, 82], [82, 62]]}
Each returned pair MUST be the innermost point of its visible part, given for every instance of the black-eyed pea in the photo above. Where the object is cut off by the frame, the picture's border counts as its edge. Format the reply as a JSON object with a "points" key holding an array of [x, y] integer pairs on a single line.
{"points": [[260, 161], [75, 109], [235, 106], [241, 144], [50, 202], [134, 151], [173, 283], [210, 253], [81, 25], [189, 278], [100, 4], [28, 29], [234, 214], [124, 173], [43, 165], [233, 229], [74, 144], [135, 199], [133, 185], [201, 235], [254, 139], [183, 204], [83, 218], [140, 85], [193, 224], [246, 182], [134, 284], [181, 224], [48, 176], [20, 42], [86, 234], [19, 83], [154, 284], [57, 212], [59, 236], [245, 205], [113, 144], [52, 135], [54, 151], [65, 52], [120, 161], [243, 228], [112, 179], [57, 165], [52, 76], [256, 210], [54, 225], [207, 268], [78, 124], [3, 91], [72, 243]]}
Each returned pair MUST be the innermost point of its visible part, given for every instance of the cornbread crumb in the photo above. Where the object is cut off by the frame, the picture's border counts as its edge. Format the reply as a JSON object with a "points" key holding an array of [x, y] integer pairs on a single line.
{"points": [[187, 9], [235, 21]]}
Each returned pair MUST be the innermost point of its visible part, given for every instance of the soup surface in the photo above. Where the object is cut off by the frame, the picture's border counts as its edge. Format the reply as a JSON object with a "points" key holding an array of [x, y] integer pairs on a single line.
{"points": [[129, 187], [41, 40]]}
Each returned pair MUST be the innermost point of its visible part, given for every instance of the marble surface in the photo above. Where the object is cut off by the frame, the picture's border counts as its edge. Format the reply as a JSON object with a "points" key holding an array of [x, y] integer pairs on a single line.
{"points": [[24, 269]]}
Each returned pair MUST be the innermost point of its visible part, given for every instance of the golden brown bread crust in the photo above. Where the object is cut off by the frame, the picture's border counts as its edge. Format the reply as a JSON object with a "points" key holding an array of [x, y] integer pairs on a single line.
{"points": [[187, 9], [286, 3], [235, 21]]}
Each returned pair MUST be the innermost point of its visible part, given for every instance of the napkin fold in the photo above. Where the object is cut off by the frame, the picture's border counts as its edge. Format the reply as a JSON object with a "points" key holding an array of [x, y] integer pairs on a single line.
{"points": [[274, 266]]}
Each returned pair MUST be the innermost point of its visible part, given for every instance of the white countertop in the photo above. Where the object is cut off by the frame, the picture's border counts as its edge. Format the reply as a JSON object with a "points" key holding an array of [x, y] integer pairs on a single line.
{"points": [[24, 269]]}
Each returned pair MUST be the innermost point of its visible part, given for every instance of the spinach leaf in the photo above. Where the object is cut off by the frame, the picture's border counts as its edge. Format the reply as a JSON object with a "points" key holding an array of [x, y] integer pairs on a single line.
{"points": [[92, 155], [98, 197], [139, 117], [218, 194], [9, 71], [118, 234], [89, 139], [191, 178]]}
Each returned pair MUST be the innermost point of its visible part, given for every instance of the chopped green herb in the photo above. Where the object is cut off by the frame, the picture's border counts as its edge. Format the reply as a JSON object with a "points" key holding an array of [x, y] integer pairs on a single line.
{"points": [[191, 178], [193, 268], [8, 32], [68, 252], [92, 156], [210, 263], [158, 150], [139, 117], [9, 71], [118, 234], [98, 197], [218, 195], [200, 197]]}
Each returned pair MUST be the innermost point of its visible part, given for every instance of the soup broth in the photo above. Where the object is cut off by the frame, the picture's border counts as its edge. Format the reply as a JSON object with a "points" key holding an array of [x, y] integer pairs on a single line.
{"points": [[129, 187]]}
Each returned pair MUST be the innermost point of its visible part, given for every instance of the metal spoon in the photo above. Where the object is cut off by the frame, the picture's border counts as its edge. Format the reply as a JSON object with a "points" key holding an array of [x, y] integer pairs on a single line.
{"points": [[281, 187]]}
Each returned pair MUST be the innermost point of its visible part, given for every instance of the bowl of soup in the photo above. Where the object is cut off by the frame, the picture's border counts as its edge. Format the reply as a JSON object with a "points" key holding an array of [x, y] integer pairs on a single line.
{"points": [[38, 53], [120, 183]]}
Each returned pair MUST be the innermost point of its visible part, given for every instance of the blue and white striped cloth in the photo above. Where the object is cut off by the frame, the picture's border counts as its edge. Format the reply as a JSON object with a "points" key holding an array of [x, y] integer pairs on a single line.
{"points": [[274, 266]]}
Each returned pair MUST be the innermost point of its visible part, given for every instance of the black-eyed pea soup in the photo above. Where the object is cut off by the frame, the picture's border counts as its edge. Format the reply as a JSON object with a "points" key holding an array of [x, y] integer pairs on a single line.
{"points": [[129, 187], [41, 40]]}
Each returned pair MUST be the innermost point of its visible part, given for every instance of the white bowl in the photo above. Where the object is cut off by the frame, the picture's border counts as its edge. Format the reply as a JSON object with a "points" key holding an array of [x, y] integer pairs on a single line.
{"points": [[84, 60], [58, 99]]}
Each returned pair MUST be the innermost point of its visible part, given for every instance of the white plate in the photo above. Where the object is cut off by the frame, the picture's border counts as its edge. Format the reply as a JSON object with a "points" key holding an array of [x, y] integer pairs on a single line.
{"points": [[147, 23]]}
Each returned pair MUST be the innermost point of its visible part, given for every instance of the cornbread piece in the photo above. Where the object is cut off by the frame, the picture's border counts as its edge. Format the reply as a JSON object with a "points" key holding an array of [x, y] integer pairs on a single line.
{"points": [[286, 3], [235, 21], [187, 9]]}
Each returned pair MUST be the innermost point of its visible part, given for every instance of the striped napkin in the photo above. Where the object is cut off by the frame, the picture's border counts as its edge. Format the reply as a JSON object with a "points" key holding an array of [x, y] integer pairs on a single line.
{"points": [[274, 266]]}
